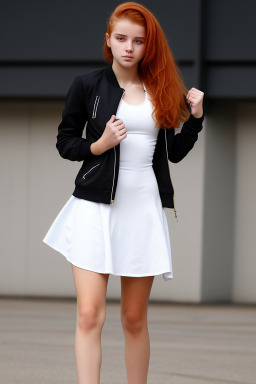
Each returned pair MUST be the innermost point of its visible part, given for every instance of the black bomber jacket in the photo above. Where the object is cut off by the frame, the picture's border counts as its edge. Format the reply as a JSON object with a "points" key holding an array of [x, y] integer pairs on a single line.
{"points": [[90, 102]]}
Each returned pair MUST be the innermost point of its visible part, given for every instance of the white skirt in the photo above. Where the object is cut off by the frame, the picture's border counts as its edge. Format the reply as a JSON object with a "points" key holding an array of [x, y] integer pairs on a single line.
{"points": [[131, 237]]}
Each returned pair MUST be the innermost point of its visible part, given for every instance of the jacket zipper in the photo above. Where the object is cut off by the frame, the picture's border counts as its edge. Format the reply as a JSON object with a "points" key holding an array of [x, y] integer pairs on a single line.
{"points": [[90, 170], [95, 107], [111, 200], [175, 212]]}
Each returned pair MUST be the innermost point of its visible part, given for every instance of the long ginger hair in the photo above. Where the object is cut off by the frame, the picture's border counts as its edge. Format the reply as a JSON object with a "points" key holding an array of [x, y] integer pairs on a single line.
{"points": [[157, 69]]}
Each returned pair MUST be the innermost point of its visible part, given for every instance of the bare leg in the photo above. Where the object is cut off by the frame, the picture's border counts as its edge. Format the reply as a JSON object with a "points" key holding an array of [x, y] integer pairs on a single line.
{"points": [[135, 293], [91, 290]]}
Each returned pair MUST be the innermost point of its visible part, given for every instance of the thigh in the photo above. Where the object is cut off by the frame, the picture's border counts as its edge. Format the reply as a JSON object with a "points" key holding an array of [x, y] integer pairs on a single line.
{"points": [[91, 288], [135, 292]]}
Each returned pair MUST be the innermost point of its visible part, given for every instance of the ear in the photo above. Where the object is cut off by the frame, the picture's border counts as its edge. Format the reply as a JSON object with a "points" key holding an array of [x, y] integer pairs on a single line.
{"points": [[107, 39]]}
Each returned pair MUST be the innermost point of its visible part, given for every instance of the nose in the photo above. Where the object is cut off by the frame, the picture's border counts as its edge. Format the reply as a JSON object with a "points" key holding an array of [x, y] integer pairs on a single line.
{"points": [[129, 47]]}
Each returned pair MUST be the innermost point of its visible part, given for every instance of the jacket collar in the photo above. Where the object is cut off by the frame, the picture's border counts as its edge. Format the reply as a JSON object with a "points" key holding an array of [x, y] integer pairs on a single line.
{"points": [[111, 76]]}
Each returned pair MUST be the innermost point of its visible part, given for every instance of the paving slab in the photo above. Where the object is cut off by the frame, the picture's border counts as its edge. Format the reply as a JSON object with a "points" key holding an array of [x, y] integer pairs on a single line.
{"points": [[190, 344]]}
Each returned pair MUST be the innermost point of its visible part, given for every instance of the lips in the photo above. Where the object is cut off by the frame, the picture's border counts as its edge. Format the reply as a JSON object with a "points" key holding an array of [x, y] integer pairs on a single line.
{"points": [[128, 57]]}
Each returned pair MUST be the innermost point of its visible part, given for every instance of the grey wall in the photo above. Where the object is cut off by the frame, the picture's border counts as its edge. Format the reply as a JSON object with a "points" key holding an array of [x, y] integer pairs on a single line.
{"points": [[219, 202], [213, 243], [229, 60], [38, 182], [244, 281], [45, 44]]}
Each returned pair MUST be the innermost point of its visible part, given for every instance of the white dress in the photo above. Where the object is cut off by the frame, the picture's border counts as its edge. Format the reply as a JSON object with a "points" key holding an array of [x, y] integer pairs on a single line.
{"points": [[131, 237]]}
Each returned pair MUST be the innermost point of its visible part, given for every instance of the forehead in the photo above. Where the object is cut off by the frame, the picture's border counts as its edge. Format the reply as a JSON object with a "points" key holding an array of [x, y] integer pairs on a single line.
{"points": [[129, 28]]}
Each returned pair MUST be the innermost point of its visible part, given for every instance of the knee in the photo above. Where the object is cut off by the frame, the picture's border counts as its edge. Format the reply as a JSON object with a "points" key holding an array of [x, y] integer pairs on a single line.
{"points": [[133, 322], [90, 317]]}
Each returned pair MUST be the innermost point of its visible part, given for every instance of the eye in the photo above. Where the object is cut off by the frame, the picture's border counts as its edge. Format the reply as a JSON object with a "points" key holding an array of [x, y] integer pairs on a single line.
{"points": [[119, 38], [140, 42]]}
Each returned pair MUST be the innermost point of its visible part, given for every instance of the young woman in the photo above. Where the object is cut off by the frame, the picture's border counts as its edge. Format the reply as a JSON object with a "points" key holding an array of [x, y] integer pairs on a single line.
{"points": [[115, 223]]}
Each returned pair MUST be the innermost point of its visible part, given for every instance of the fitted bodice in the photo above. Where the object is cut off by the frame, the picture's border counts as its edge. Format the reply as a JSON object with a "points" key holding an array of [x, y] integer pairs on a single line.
{"points": [[137, 149]]}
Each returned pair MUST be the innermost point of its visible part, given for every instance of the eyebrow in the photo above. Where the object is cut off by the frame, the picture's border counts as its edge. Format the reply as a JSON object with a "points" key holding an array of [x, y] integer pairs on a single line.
{"points": [[137, 37]]}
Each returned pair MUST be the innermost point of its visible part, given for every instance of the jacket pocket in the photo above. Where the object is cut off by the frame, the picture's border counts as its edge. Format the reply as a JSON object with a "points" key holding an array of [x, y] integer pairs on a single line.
{"points": [[86, 173], [95, 107]]}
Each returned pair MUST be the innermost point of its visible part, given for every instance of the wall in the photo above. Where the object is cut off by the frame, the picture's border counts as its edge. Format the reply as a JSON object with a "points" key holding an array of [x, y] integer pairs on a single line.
{"points": [[37, 183], [244, 284], [213, 242], [219, 202]]}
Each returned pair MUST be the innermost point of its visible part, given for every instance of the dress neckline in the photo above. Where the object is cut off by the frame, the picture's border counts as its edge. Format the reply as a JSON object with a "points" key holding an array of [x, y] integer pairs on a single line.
{"points": [[138, 105]]}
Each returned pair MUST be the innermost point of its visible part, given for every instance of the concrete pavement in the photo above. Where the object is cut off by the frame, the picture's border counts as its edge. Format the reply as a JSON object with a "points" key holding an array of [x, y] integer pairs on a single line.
{"points": [[190, 344]]}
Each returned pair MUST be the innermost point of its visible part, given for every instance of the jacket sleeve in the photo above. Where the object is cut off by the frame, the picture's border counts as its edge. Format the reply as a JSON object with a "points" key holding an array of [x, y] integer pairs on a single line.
{"points": [[184, 141], [70, 143]]}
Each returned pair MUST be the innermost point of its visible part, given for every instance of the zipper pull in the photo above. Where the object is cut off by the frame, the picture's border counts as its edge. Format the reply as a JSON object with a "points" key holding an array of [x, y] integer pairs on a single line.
{"points": [[174, 209], [175, 214]]}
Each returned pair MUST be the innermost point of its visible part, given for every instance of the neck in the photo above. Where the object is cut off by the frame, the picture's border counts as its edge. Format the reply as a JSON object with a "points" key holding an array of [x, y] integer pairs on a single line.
{"points": [[125, 76]]}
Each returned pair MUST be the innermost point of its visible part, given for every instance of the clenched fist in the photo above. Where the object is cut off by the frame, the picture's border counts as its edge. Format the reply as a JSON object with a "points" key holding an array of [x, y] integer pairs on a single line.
{"points": [[195, 99], [113, 134]]}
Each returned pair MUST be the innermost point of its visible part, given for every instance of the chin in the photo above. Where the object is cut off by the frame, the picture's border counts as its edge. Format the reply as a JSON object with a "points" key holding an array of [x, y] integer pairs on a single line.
{"points": [[128, 63]]}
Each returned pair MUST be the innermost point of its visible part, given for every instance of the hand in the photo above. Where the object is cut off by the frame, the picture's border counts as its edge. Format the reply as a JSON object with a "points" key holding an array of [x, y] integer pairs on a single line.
{"points": [[114, 132], [195, 99]]}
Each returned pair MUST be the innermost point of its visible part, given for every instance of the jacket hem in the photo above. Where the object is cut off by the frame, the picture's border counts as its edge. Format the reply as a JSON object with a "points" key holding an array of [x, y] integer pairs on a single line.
{"points": [[166, 200], [103, 196], [96, 195]]}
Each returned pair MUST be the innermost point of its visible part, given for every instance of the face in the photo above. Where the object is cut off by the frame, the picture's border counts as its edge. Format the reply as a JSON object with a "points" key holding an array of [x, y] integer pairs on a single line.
{"points": [[127, 42]]}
